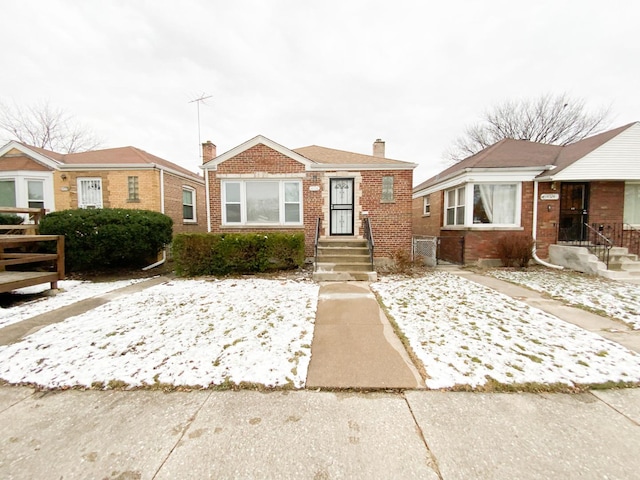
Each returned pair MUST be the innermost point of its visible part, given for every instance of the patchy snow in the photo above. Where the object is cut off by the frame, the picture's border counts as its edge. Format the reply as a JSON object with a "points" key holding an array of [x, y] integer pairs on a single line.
{"points": [[70, 291], [183, 332], [614, 299], [213, 332], [464, 333]]}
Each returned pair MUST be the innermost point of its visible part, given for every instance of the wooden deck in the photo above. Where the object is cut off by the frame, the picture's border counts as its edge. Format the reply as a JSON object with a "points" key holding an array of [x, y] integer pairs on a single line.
{"points": [[10, 280]]}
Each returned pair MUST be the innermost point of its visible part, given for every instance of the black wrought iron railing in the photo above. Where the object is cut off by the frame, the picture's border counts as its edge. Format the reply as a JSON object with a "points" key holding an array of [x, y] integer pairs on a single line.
{"points": [[315, 245], [598, 243], [368, 235], [601, 238]]}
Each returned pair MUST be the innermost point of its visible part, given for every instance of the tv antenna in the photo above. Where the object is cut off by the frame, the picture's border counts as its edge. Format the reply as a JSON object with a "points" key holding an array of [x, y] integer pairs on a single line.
{"points": [[198, 101]]}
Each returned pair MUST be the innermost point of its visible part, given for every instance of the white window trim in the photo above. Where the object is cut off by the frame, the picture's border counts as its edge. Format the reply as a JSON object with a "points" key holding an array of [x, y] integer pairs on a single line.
{"points": [[21, 179], [426, 202], [81, 203], [633, 225], [243, 202], [468, 208], [193, 205]]}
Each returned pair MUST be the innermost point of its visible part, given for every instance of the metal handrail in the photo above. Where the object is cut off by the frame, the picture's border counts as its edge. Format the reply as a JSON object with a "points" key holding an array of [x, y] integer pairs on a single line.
{"points": [[608, 244], [315, 261], [368, 235]]}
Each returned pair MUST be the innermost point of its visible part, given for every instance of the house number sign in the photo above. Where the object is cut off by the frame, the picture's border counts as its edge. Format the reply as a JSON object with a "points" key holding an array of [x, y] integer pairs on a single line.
{"points": [[550, 196]]}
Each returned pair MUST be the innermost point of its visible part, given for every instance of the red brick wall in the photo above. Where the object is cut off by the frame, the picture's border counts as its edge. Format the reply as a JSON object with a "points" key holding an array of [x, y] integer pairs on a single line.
{"points": [[606, 202], [173, 186], [428, 225], [391, 222], [257, 160]]}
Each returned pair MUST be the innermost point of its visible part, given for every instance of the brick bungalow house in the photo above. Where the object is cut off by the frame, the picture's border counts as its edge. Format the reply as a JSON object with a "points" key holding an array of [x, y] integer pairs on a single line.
{"points": [[548, 192], [125, 177], [261, 186]]}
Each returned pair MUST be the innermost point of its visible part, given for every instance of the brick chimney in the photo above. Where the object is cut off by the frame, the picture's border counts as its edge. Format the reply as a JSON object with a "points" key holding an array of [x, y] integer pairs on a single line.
{"points": [[208, 151], [378, 148]]}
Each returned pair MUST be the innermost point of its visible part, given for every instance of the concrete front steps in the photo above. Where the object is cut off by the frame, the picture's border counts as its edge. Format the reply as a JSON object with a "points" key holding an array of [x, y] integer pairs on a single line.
{"points": [[622, 265], [343, 259]]}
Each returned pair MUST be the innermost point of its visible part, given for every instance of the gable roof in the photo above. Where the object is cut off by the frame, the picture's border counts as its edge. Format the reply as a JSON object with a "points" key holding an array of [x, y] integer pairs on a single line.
{"points": [[314, 157], [111, 158], [257, 140], [521, 154], [331, 156]]}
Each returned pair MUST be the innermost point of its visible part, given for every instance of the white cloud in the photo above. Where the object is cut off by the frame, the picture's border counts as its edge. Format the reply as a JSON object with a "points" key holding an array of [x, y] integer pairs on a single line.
{"points": [[332, 73]]}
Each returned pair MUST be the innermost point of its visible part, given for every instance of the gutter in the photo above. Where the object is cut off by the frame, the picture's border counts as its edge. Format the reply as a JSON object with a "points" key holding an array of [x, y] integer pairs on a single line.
{"points": [[534, 229]]}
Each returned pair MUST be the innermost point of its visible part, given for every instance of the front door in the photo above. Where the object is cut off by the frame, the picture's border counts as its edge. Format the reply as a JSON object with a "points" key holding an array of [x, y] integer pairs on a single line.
{"points": [[341, 206], [574, 205]]}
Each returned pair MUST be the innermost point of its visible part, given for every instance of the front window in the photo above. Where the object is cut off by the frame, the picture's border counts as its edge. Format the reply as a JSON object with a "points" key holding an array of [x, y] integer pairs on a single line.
{"points": [[262, 202], [489, 204], [7, 193], [632, 203], [494, 203], [454, 206], [188, 204], [90, 193], [35, 192]]}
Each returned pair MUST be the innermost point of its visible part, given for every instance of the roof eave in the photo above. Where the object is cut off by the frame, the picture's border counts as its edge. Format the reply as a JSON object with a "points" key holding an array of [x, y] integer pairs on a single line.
{"points": [[360, 166]]}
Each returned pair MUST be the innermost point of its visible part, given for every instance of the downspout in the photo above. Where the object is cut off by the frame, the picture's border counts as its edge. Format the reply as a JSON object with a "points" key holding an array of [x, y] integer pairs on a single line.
{"points": [[534, 232], [206, 196], [164, 250]]}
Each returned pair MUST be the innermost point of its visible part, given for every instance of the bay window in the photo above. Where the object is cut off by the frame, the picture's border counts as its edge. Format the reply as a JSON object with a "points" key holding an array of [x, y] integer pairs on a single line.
{"points": [[454, 206], [7, 193], [632, 203], [261, 202], [494, 203], [483, 204]]}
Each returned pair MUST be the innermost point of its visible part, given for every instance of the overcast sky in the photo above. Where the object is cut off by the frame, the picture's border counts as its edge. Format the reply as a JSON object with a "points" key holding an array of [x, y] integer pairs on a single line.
{"points": [[335, 73]]}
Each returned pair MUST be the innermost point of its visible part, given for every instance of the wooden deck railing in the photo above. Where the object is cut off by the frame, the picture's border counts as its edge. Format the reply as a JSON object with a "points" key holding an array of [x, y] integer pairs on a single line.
{"points": [[16, 249], [30, 227]]}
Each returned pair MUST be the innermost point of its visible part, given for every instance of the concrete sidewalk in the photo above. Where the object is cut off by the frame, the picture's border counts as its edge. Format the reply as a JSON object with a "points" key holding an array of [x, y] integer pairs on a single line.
{"points": [[354, 346], [318, 435]]}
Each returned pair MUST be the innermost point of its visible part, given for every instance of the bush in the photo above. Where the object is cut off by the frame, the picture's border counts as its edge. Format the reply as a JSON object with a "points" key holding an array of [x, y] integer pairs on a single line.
{"points": [[221, 254], [109, 237], [515, 250], [9, 219]]}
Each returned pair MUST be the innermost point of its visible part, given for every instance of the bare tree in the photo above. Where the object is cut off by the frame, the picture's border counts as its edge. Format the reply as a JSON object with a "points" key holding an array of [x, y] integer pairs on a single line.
{"points": [[556, 120], [44, 126]]}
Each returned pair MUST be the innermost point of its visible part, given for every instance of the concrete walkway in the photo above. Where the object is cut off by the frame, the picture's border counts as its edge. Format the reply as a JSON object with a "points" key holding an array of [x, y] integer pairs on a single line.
{"points": [[354, 346], [17, 331], [615, 331]]}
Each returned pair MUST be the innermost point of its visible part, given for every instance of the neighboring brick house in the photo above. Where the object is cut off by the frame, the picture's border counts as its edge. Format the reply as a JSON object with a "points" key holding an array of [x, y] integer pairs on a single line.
{"points": [[263, 186], [548, 192], [125, 177]]}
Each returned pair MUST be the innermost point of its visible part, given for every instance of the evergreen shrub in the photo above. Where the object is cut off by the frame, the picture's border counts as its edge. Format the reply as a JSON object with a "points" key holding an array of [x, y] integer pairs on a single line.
{"points": [[105, 238], [230, 253]]}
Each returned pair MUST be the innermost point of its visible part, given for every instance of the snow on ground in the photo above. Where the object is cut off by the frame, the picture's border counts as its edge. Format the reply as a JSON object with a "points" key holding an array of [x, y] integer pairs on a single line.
{"points": [[617, 300], [70, 291], [212, 332], [464, 332], [183, 332]]}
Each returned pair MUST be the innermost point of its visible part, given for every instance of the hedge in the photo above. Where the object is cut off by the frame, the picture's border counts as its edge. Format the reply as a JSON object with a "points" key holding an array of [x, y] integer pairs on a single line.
{"points": [[225, 253], [97, 239]]}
